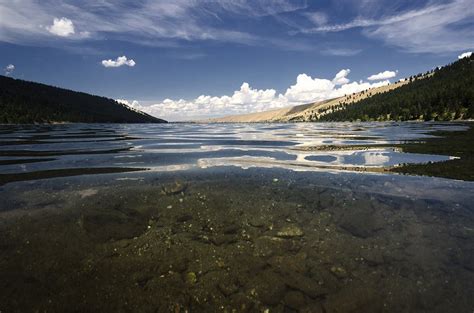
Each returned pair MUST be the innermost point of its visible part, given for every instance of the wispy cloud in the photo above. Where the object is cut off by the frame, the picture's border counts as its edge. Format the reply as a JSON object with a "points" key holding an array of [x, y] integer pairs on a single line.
{"points": [[361, 22], [257, 8], [186, 55], [141, 21], [435, 28], [343, 52], [318, 18]]}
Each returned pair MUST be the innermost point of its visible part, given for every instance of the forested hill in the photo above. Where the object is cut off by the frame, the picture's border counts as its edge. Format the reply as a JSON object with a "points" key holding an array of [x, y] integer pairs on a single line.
{"points": [[445, 94], [28, 102]]}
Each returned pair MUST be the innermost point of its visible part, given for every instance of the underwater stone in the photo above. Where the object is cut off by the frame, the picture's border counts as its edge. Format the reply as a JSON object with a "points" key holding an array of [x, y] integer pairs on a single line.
{"points": [[306, 285], [361, 223], [257, 221], [269, 288], [290, 231], [184, 218], [295, 299], [223, 239], [227, 288], [191, 278], [173, 189], [231, 229], [339, 271]]}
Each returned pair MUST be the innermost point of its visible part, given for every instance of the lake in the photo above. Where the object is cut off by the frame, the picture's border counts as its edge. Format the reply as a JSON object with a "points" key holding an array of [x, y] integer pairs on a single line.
{"points": [[230, 218]]}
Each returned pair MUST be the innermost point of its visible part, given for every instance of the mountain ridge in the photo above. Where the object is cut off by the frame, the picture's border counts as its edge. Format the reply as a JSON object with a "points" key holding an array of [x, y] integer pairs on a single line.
{"points": [[398, 101], [25, 102]]}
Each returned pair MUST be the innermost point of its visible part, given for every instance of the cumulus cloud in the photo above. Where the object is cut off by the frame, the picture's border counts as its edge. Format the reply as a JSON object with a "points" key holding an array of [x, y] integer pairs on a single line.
{"points": [[465, 55], [133, 104], [120, 61], [341, 77], [383, 75], [62, 27], [308, 89], [9, 69], [247, 99]]}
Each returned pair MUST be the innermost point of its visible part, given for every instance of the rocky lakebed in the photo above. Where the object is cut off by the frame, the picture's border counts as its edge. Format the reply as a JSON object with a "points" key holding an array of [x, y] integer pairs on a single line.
{"points": [[242, 241]]}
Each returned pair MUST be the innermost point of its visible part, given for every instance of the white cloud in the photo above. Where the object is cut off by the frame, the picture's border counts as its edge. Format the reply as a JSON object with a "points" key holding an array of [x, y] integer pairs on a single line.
{"points": [[318, 18], [375, 158], [244, 100], [383, 75], [361, 22], [24, 21], [465, 55], [435, 28], [341, 77], [308, 89], [120, 61], [134, 104], [343, 52], [62, 27], [9, 69], [256, 8], [248, 99]]}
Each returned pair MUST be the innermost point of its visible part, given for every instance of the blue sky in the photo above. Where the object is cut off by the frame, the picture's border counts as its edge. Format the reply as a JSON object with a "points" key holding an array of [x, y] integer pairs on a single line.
{"points": [[187, 59]]}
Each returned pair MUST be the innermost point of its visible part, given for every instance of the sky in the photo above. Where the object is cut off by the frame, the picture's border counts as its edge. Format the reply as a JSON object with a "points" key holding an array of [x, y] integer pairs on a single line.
{"points": [[194, 59]]}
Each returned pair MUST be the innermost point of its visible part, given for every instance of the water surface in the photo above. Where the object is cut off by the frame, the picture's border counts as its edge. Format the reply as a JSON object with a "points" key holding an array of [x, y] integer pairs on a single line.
{"points": [[230, 218], [188, 146]]}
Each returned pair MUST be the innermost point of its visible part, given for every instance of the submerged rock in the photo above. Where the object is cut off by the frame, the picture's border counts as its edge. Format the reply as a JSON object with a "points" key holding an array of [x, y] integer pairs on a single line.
{"points": [[290, 232], [184, 217], [339, 272], [257, 221], [231, 229], [266, 246], [289, 263], [222, 239], [354, 299], [173, 189], [227, 288], [306, 285], [190, 278], [295, 299], [268, 287], [372, 256], [361, 223]]}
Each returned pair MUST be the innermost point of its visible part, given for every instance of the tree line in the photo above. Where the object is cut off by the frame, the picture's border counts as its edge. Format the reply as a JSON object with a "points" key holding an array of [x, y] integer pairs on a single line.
{"points": [[23, 102]]}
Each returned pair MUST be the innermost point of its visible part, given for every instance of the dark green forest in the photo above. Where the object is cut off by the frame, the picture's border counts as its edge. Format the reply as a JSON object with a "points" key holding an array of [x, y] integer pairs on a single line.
{"points": [[23, 102], [443, 94]]}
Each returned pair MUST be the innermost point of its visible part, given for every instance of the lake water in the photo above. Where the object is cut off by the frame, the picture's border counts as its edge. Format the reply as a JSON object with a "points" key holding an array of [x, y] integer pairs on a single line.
{"points": [[230, 218]]}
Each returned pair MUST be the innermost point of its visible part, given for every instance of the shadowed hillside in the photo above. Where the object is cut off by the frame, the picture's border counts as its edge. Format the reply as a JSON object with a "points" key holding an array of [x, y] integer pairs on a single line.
{"points": [[28, 102]]}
